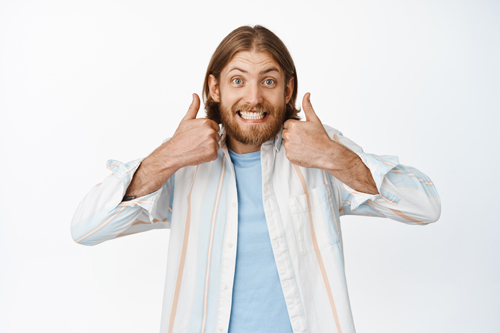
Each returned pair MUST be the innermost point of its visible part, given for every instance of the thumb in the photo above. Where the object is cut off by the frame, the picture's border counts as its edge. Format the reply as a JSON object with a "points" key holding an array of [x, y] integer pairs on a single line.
{"points": [[193, 108], [308, 109]]}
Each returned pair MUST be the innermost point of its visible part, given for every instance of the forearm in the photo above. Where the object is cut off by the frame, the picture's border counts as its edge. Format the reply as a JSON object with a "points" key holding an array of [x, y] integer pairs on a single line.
{"points": [[102, 215], [378, 185], [347, 166], [153, 172], [406, 194]]}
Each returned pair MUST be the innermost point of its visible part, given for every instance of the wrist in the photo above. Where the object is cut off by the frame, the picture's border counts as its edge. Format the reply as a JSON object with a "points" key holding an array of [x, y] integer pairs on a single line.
{"points": [[153, 171], [339, 158]]}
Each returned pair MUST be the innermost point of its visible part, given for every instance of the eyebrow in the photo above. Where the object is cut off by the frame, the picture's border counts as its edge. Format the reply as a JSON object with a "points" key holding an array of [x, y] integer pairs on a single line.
{"points": [[265, 71]]}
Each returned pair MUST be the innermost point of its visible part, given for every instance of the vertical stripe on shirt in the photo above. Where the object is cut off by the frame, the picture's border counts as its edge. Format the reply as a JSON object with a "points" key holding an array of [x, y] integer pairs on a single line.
{"points": [[316, 250], [331, 205], [210, 244], [183, 258]]}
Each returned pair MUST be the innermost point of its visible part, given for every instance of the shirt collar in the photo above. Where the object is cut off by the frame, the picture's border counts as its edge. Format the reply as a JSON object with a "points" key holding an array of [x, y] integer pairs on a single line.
{"points": [[277, 141]]}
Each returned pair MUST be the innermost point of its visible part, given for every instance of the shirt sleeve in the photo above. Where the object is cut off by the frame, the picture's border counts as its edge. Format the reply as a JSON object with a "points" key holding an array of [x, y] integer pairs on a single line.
{"points": [[102, 215], [405, 194]]}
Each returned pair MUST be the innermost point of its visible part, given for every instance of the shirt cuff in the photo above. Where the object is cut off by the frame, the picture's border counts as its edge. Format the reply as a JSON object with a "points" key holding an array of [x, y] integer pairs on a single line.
{"points": [[379, 167], [125, 172]]}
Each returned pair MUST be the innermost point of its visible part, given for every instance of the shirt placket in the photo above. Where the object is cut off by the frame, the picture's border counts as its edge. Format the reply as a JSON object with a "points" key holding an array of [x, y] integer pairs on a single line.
{"points": [[278, 241], [229, 254]]}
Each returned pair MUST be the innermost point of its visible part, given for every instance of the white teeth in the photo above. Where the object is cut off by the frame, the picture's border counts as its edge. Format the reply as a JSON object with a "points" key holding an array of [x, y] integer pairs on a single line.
{"points": [[251, 115]]}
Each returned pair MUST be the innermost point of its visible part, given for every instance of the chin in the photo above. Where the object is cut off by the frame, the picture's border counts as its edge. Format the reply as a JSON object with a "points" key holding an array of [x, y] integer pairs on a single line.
{"points": [[256, 135], [252, 131]]}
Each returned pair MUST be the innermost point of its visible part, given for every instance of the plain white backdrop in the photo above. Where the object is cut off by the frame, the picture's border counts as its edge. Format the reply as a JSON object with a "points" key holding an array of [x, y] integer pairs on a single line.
{"points": [[82, 82]]}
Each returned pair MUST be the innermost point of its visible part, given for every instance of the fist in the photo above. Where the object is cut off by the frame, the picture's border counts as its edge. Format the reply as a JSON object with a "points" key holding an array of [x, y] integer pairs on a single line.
{"points": [[306, 142], [195, 141]]}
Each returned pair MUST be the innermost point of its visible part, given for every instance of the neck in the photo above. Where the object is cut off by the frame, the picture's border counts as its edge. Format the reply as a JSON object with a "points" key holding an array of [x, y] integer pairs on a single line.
{"points": [[241, 148]]}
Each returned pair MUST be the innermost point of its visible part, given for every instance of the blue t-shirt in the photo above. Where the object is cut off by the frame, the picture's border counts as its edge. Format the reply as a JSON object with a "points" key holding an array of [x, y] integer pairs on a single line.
{"points": [[258, 302]]}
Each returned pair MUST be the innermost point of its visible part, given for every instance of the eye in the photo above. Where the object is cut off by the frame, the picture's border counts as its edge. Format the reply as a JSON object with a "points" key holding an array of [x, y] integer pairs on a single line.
{"points": [[269, 82], [237, 81]]}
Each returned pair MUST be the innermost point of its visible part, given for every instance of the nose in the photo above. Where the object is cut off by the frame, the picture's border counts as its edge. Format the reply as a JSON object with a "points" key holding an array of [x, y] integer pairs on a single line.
{"points": [[254, 94]]}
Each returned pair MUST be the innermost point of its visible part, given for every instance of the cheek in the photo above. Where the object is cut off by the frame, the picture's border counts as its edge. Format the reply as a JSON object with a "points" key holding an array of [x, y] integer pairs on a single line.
{"points": [[277, 100], [229, 99]]}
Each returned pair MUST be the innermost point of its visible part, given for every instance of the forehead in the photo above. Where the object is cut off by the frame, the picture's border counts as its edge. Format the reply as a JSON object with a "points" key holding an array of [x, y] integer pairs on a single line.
{"points": [[253, 62]]}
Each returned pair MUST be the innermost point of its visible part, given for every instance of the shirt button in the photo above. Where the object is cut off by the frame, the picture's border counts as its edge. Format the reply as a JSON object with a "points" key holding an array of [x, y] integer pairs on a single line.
{"points": [[229, 244], [234, 204], [220, 329], [225, 287]]}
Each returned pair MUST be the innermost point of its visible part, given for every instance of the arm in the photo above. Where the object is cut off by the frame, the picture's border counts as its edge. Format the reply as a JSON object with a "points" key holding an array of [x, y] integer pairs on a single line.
{"points": [[102, 215], [404, 193], [194, 142], [138, 195], [368, 184], [348, 167]]}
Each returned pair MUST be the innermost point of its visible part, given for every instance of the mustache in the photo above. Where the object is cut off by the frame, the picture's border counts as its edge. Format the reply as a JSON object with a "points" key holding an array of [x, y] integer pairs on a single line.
{"points": [[259, 108]]}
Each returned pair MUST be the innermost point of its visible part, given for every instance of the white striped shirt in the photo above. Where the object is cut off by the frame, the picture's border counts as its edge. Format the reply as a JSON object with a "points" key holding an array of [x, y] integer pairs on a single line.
{"points": [[302, 206]]}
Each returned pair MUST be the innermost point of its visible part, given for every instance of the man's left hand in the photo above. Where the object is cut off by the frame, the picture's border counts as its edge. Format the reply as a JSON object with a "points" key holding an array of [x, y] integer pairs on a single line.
{"points": [[306, 142], [308, 145]]}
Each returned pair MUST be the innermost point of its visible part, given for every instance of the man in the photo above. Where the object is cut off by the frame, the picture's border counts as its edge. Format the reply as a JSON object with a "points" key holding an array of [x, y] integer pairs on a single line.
{"points": [[253, 206]]}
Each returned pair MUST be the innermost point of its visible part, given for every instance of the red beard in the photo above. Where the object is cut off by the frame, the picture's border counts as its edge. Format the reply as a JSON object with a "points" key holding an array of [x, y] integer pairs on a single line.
{"points": [[253, 134]]}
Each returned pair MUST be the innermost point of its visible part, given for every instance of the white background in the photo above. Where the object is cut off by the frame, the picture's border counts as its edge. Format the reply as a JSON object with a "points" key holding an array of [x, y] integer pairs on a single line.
{"points": [[82, 82]]}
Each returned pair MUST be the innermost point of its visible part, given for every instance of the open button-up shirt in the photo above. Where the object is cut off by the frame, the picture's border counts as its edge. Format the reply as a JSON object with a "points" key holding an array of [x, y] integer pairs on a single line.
{"points": [[302, 206]]}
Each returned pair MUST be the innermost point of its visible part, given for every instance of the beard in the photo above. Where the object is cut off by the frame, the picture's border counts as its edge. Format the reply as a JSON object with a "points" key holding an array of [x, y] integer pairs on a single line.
{"points": [[254, 134]]}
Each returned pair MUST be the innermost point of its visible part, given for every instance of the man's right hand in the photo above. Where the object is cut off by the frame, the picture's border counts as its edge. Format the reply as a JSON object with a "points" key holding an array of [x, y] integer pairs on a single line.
{"points": [[195, 141]]}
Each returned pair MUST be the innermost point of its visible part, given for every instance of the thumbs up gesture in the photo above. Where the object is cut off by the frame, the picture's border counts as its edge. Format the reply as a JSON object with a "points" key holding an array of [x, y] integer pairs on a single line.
{"points": [[306, 142], [195, 141]]}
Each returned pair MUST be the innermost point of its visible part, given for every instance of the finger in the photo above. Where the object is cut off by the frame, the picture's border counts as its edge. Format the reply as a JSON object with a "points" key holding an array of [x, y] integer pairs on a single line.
{"points": [[308, 109], [284, 134], [193, 108], [217, 137], [287, 123], [214, 125], [198, 124]]}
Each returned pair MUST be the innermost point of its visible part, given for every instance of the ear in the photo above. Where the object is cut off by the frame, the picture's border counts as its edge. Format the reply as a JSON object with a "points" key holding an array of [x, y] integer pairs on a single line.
{"points": [[213, 86], [289, 90]]}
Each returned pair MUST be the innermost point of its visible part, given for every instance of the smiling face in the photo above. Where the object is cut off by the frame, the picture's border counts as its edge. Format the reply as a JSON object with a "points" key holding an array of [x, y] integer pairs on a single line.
{"points": [[252, 94]]}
